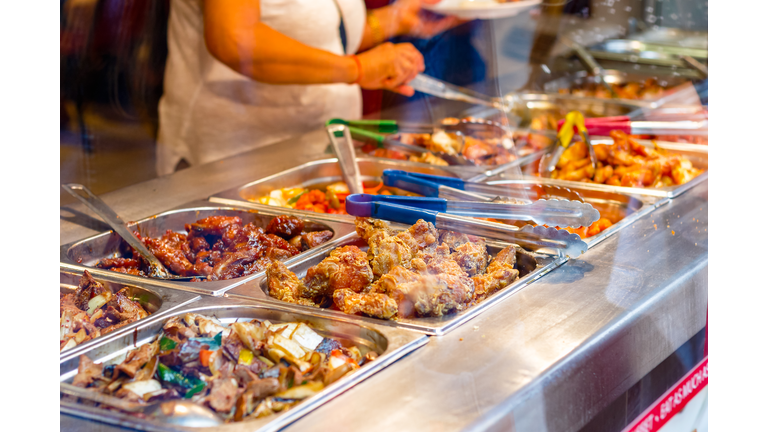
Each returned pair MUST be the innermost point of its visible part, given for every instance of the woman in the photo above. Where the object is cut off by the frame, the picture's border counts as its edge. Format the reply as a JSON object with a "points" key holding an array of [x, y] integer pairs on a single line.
{"points": [[242, 74]]}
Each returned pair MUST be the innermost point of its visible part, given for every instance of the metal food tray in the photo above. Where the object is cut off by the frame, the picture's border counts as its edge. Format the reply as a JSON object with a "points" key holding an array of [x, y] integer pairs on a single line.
{"points": [[634, 51], [612, 76], [155, 299], [319, 173], [698, 155], [532, 266], [84, 254], [390, 343]]}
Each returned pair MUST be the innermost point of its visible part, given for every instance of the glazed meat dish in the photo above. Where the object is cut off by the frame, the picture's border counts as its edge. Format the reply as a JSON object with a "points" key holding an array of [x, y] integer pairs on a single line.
{"points": [[221, 247], [625, 163], [93, 310], [241, 371], [419, 272]]}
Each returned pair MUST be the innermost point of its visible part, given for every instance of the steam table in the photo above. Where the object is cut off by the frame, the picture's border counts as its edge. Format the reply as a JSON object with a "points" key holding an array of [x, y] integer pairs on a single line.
{"points": [[548, 358]]}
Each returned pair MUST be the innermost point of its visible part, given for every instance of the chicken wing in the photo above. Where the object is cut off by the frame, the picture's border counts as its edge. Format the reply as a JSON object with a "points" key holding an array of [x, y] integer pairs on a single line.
{"points": [[386, 251], [373, 304], [345, 268], [472, 257], [500, 273], [285, 285]]}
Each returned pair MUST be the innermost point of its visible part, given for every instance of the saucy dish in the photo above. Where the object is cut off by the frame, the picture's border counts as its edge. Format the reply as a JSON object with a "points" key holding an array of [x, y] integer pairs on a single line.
{"points": [[625, 163], [221, 247], [418, 272], [330, 199], [93, 310], [241, 371]]}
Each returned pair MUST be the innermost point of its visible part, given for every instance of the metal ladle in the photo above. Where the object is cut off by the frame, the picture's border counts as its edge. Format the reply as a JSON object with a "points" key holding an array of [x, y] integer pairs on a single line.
{"points": [[157, 269], [178, 412]]}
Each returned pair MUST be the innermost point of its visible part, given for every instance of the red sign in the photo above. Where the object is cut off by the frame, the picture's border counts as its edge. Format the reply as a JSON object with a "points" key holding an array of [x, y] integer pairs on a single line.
{"points": [[673, 400]]}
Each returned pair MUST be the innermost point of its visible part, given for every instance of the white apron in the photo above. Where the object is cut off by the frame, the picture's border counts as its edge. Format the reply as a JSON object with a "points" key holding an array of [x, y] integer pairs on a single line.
{"points": [[209, 112]]}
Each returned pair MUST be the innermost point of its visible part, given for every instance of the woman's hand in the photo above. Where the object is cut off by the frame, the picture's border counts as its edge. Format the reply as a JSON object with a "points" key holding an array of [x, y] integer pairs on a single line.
{"points": [[390, 67], [412, 23]]}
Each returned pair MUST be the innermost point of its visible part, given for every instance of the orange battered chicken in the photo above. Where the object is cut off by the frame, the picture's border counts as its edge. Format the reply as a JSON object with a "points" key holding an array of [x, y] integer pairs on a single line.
{"points": [[625, 163]]}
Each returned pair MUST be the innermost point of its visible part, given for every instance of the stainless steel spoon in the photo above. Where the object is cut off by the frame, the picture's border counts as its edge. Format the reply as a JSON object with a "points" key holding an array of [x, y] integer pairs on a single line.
{"points": [[178, 412], [84, 195]]}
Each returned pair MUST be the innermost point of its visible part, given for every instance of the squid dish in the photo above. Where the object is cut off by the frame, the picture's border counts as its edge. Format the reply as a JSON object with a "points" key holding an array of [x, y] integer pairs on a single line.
{"points": [[419, 272], [221, 247], [241, 371]]}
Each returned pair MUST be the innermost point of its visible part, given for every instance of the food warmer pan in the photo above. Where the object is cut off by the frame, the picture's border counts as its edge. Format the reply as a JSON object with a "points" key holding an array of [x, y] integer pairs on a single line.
{"points": [[389, 343], [532, 266], [698, 155], [88, 252]]}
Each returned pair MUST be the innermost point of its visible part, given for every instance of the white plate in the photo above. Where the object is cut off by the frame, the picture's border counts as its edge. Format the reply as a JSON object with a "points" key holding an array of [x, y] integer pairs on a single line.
{"points": [[481, 9]]}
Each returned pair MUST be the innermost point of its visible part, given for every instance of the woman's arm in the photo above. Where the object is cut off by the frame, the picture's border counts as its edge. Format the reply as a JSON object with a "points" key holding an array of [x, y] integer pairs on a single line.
{"points": [[403, 18], [235, 35]]}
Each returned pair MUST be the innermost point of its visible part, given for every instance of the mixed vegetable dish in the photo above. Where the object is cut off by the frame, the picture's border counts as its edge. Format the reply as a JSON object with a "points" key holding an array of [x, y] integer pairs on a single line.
{"points": [[241, 371]]}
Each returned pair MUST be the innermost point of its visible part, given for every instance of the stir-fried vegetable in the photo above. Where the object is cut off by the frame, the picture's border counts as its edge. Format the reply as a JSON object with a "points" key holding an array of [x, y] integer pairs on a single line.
{"points": [[241, 371], [329, 201]]}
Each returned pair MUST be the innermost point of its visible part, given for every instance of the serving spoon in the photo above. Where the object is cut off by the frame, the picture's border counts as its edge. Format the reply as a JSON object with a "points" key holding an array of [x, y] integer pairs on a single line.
{"points": [[84, 195], [178, 412]]}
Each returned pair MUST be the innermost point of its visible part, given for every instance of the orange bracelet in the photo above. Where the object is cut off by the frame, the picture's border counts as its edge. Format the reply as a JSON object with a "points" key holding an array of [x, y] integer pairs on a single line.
{"points": [[359, 69]]}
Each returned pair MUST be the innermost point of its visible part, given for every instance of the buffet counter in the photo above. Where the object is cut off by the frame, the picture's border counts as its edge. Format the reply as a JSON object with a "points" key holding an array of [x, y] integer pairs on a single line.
{"points": [[549, 357]]}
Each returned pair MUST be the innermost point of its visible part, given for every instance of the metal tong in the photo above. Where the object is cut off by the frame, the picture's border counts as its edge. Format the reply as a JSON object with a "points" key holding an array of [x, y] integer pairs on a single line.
{"points": [[345, 153], [455, 188], [157, 269], [557, 212], [603, 126], [531, 237], [573, 120], [592, 66], [384, 141], [435, 87]]}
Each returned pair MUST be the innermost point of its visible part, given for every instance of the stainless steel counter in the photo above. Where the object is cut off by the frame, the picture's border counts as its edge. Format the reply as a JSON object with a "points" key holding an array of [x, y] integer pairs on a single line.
{"points": [[548, 358]]}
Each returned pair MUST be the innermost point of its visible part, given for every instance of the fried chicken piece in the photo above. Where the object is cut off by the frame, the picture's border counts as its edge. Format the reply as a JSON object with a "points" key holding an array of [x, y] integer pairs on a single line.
{"points": [[472, 257], [372, 304], [435, 285], [387, 251], [499, 273], [285, 285], [345, 268]]}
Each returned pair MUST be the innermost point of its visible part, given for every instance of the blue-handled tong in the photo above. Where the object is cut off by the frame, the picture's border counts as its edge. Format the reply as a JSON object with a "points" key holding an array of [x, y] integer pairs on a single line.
{"points": [[446, 215], [455, 188]]}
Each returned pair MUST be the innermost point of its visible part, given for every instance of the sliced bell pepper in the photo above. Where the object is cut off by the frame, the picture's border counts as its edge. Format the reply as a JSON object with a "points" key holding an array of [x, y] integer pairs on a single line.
{"points": [[171, 376], [205, 356], [167, 344]]}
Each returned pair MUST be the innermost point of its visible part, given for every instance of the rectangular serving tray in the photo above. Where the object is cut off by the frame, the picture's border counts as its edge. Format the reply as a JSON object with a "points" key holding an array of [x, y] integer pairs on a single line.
{"points": [[390, 343], [698, 154], [84, 254], [156, 300], [533, 266]]}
